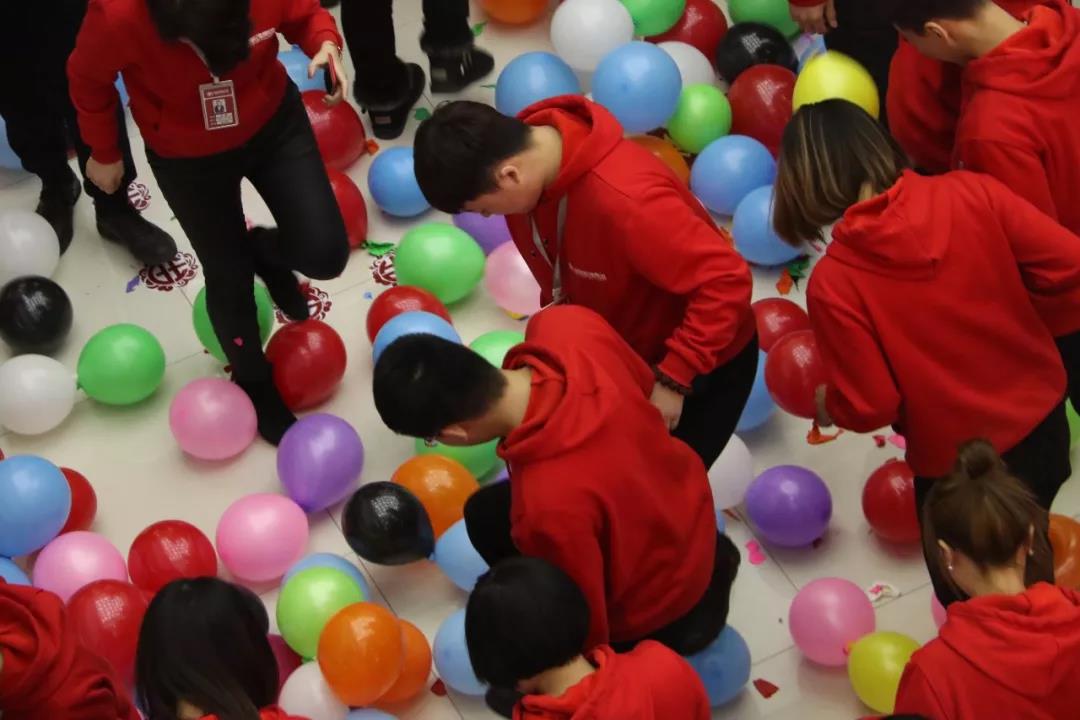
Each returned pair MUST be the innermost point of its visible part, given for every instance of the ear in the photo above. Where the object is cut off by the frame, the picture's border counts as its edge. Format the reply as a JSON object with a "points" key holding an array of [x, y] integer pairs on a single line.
{"points": [[946, 553], [454, 435], [508, 174], [937, 30]]}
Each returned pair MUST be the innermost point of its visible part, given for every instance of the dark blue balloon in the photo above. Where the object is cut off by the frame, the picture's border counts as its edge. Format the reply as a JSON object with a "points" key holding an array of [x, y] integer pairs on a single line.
{"points": [[724, 666], [760, 406]]}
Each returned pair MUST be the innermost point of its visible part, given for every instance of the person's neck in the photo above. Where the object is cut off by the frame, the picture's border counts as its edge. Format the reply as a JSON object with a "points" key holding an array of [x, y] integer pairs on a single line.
{"points": [[1000, 581], [992, 27], [511, 408], [548, 144], [557, 681]]}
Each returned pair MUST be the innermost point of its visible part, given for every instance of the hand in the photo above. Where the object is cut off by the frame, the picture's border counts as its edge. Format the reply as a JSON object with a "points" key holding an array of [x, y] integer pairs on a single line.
{"points": [[329, 55], [817, 19], [669, 403], [106, 177], [823, 419]]}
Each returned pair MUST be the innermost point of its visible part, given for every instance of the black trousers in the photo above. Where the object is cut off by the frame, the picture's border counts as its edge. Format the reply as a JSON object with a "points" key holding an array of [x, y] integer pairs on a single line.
{"points": [[865, 35], [35, 42], [1069, 347], [1041, 461], [282, 161]]}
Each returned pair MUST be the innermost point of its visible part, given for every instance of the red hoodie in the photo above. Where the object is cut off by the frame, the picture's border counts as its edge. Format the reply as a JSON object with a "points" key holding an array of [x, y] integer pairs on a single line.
{"points": [[46, 672], [923, 318], [599, 486], [270, 713], [638, 247], [1000, 656], [651, 682], [163, 79]]}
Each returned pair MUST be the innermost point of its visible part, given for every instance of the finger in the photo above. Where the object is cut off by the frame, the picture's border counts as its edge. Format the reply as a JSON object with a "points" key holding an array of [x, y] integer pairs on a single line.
{"points": [[830, 13], [312, 68]]}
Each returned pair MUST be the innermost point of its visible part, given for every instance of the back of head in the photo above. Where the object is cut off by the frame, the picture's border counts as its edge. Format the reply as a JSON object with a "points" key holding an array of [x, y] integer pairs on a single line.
{"points": [[913, 15], [204, 641], [524, 617], [219, 28]]}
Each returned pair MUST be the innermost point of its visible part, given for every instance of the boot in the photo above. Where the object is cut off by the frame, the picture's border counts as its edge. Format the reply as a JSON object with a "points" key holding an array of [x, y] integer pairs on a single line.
{"points": [[274, 417], [57, 205], [280, 281], [123, 225], [389, 114], [454, 69]]}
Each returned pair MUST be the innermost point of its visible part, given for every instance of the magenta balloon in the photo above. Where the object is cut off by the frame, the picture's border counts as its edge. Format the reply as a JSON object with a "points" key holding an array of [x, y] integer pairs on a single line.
{"points": [[789, 505], [510, 282], [212, 419], [319, 461], [488, 232], [827, 616], [76, 559]]}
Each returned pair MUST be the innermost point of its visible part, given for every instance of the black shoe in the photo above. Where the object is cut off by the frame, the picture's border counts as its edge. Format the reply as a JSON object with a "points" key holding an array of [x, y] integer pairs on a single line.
{"points": [[281, 282], [148, 243], [389, 115], [452, 70], [57, 205], [502, 701], [273, 416]]}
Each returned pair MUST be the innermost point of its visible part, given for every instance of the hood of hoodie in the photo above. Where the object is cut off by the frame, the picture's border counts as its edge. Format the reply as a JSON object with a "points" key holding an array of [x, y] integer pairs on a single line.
{"points": [[600, 695]]}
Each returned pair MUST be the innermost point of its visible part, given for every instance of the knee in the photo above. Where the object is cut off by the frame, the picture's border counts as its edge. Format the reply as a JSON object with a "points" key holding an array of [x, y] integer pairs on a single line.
{"points": [[328, 260]]}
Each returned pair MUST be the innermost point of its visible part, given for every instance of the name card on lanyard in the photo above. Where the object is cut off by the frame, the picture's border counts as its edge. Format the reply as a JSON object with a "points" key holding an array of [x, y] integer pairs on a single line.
{"points": [[552, 260], [218, 99]]}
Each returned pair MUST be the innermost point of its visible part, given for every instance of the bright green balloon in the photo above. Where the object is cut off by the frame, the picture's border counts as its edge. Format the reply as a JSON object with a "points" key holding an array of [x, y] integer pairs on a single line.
{"points": [[121, 365], [307, 602], [440, 258], [264, 310], [652, 17], [769, 12], [478, 459], [702, 115], [1074, 423], [494, 345]]}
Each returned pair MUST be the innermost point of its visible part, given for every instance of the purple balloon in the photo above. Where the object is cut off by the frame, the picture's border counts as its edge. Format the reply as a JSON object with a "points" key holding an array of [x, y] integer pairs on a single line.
{"points": [[789, 505], [488, 232], [319, 461]]}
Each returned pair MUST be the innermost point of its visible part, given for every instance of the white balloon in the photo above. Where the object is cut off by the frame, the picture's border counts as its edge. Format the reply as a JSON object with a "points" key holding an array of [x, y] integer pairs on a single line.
{"points": [[584, 31], [307, 695], [694, 67], [36, 394], [731, 474], [28, 246]]}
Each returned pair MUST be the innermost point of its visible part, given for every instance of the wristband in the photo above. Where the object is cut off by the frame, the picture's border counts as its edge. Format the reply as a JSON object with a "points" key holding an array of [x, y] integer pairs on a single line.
{"points": [[671, 384]]}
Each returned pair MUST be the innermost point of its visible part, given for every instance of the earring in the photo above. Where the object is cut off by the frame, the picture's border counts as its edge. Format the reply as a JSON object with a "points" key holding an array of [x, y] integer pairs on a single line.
{"points": [[950, 567]]}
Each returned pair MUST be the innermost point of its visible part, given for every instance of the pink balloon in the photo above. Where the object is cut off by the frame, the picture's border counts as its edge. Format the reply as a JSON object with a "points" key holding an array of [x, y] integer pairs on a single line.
{"points": [[937, 610], [827, 616], [510, 282], [260, 536], [76, 559], [287, 659], [212, 419]]}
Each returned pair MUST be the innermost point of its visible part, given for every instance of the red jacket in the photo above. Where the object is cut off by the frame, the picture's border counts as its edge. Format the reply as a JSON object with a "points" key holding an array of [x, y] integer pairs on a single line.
{"points": [[650, 682], [599, 486], [270, 713], [46, 672], [1000, 656], [923, 318], [163, 78], [638, 247]]}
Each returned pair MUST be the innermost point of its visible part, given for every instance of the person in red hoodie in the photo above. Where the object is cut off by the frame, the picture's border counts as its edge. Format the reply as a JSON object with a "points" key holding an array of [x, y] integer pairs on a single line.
{"points": [[603, 223], [932, 301], [526, 624], [215, 106], [1013, 649]]}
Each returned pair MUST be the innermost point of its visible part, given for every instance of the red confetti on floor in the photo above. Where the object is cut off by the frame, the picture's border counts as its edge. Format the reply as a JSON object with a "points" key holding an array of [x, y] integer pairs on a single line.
{"points": [[785, 283], [879, 440], [766, 688], [816, 437], [439, 688]]}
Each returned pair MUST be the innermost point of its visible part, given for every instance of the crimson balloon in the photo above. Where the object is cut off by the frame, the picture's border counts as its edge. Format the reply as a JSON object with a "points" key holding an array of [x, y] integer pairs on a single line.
{"points": [[309, 361], [793, 372], [338, 130], [761, 104], [353, 209], [702, 25], [888, 501], [170, 550], [402, 299], [83, 501], [776, 317], [106, 615]]}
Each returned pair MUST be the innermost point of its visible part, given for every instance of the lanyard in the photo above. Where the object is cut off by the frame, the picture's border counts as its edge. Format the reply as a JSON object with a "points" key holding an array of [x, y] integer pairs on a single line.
{"points": [[553, 261], [201, 56]]}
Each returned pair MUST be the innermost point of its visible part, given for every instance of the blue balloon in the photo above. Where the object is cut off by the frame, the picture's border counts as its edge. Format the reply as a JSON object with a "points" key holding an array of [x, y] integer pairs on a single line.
{"points": [[755, 238], [451, 656], [8, 158], [296, 65], [728, 169], [413, 323], [369, 714], [760, 406], [724, 666], [12, 573], [35, 500], [533, 77], [392, 181], [455, 554], [721, 521], [640, 84], [331, 560], [121, 88]]}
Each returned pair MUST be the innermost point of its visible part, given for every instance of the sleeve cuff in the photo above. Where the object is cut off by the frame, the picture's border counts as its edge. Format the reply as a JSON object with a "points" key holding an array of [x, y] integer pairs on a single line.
{"points": [[107, 156], [315, 42], [678, 370]]}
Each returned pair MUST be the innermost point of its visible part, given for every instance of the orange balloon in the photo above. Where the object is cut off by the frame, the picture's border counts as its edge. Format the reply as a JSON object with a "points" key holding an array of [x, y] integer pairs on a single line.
{"points": [[1065, 540], [414, 670], [442, 485], [360, 653], [514, 12], [666, 151]]}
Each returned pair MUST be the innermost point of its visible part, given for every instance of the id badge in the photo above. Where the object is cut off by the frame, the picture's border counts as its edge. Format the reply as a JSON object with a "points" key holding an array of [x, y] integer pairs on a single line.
{"points": [[219, 105]]}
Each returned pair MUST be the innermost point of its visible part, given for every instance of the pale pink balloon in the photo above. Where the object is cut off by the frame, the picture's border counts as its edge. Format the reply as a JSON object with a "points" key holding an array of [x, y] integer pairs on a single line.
{"points": [[260, 536], [212, 419], [827, 616], [937, 610], [307, 695], [76, 559], [510, 282]]}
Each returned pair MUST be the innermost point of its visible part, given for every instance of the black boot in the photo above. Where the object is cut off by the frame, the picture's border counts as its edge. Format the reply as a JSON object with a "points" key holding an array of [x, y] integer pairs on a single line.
{"points": [[57, 205], [454, 69], [122, 224], [273, 415], [280, 281], [390, 111]]}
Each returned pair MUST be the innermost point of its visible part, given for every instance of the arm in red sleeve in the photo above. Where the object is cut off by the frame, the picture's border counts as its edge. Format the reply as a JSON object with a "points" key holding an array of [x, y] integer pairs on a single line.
{"points": [[1019, 169], [308, 25], [92, 69], [916, 696], [806, 3]]}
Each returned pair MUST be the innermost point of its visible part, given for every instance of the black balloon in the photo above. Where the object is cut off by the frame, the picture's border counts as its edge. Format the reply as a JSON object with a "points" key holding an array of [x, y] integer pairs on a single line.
{"points": [[748, 44], [385, 524], [35, 315]]}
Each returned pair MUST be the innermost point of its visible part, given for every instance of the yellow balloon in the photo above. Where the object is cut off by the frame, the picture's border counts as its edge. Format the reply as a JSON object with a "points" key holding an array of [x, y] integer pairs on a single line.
{"points": [[875, 665], [834, 75]]}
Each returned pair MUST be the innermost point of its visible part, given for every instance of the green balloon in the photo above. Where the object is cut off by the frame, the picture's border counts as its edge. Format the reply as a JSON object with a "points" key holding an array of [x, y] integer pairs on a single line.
{"points": [[1074, 423], [494, 345], [477, 459], [769, 12], [307, 602], [652, 17], [121, 365], [702, 115], [264, 312], [440, 258]]}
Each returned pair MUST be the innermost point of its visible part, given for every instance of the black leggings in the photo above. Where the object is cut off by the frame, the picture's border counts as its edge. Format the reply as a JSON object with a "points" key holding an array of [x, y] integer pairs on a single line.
{"points": [[282, 161], [865, 35], [1069, 347]]}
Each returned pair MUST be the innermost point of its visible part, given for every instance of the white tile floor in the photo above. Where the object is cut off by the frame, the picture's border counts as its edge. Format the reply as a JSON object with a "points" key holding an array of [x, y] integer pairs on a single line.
{"points": [[141, 476]]}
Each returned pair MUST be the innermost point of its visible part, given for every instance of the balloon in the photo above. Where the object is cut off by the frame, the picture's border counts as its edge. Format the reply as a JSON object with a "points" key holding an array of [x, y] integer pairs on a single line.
{"points": [[393, 186], [261, 535], [652, 17], [452, 657], [296, 66], [351, 203], [702, 25], [76, 559], [307, 695], [731, 474], [694, 67], [532, 77], [728, 170], [287, 659], [489, 232], [833, 75], [170, 550], [514, 12], [415, 666], [793, 372], [640, 84], [775, 13], [402, 299], [440, 258], [309, 362], [442, 486], [36, 394], [369, 714], [667, 153], [761, 104], [121, 365], [8, 159], [875, 665], [826, 616], [759, 406], [105, 616], [338, 130], [776, 317], [584, 31], [330, 560], [1074, 423], [510, 282], [361, 652], [12, 573], [752, 227], [28, 246], [748, 44], [479, 460], [724, 666], [204, 330], [34, 504], [888, 501], [35, 315], [319, 461], [494, 345], [412, 323], [937, 611], [385, 524], [789, 505], [1065, 542], [308, 600], [212, 419], [702, 116], [456, 556], [83, 502]]}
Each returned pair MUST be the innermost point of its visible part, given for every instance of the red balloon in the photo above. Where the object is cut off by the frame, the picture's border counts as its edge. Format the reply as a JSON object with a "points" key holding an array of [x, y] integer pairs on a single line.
{"points": [[353, 208], [761, 104], [106, 615], [402, 299], [888, 501], [776, 317], [170, 550], [793, 372], [338, 130], [83, 502], [702, 25], [286, 657], [309, 361]]}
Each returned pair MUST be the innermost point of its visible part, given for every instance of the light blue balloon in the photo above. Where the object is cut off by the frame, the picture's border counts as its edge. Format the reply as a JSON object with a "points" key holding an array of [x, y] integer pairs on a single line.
{"points": [[8, 158], [724, 666], [296, 65], [728, 169], [533, 77], [760, 406], [12, 573], [35, 500], [331, 560], [369, 714], [121, 89], [392, 181], [721, 521], [640, 84], [416, 322], [451, 656], [752, 228], [455, 554]]}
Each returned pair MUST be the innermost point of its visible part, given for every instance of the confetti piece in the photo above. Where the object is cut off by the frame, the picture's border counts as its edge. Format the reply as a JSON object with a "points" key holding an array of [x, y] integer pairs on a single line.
{"points": [[488, 87], [732, 514], [421, 114], [816, 437], [898, 440], [765, 688], [133, 283], [238, 341], [798, 268], [754, 553], [478, 29], [438, 688], [880, 591], [372, 147], [879, 440], [785, 283], [368, 295], [1, 454], [377, 249]]}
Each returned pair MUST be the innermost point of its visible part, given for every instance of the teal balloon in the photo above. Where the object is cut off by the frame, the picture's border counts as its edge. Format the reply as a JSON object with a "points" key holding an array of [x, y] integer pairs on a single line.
{"points": [[493, 346], [477, 459], [440, 258], [121, 365], [204, 330]]}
